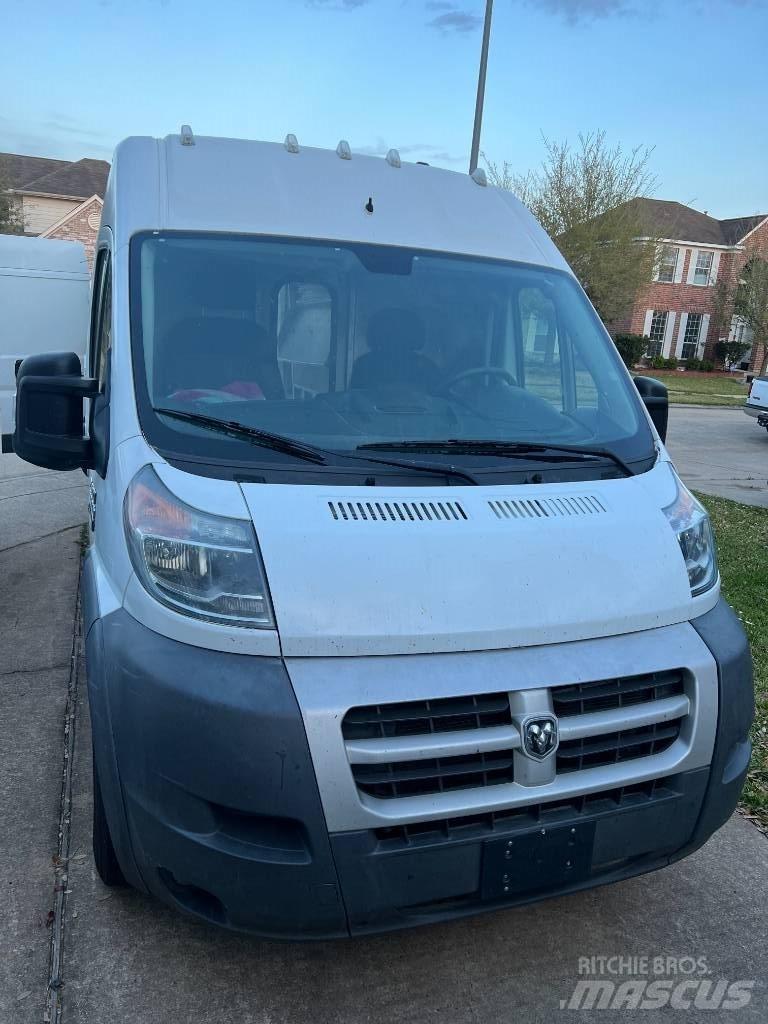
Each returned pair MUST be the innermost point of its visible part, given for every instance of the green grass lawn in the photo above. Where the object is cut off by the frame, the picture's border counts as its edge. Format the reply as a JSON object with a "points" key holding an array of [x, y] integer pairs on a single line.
{"points": [[701, 389], [742, 540]]}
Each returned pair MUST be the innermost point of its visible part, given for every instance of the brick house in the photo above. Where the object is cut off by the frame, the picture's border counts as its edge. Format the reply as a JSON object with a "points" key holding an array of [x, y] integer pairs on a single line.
{"points": [[677, 309], [57, 198]]}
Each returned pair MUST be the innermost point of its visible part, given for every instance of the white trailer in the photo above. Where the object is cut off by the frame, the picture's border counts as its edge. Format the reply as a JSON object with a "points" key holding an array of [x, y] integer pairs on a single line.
{"points": [[44, 304]]}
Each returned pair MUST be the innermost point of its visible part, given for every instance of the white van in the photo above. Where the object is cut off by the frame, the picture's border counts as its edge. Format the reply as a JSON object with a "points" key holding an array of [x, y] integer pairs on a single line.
{"points": [[396, 608], [757, 401], [44, 302]]}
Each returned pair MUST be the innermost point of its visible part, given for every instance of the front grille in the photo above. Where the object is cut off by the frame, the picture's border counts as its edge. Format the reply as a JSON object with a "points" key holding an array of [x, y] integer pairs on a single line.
{"points": [[490, 823], [584, 698], [614, 747], [435, 747], [435, 775], [413, 718]]}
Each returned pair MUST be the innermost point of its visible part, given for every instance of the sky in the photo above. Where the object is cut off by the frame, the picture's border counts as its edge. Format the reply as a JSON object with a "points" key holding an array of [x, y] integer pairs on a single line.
{"points": [[685, 77]]}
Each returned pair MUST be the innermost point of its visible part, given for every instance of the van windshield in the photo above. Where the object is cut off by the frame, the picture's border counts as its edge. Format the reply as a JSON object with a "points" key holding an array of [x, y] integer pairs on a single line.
{"points": [[341, 345]]}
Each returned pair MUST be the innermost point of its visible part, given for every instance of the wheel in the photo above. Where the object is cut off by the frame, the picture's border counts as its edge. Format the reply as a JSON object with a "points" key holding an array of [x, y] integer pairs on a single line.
{"points": [[103, 850]]}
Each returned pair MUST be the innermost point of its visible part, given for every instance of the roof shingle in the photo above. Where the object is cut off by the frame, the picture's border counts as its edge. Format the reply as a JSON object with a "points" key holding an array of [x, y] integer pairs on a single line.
{"points": [[16, 170], [663, 218], [81, 180]]}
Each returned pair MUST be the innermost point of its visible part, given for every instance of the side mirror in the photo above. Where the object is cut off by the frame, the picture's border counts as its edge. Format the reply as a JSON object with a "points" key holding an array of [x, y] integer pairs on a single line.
{"points": [[656, 401], [49, 412]]}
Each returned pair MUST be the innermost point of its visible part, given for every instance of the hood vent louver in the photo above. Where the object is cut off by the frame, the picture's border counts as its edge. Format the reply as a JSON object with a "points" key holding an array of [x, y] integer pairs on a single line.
{"points": [[547, 508], [398, 511]]}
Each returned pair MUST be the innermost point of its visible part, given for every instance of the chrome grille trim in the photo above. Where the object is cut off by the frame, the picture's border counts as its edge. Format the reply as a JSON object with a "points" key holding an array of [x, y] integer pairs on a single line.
{"points": [[328, 688]]}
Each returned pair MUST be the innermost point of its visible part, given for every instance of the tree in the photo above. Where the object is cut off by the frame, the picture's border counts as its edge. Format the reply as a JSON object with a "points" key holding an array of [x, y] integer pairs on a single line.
{"points": [[747, 299], [11, 219], [584, 199], [730, 352], [751, 305]]}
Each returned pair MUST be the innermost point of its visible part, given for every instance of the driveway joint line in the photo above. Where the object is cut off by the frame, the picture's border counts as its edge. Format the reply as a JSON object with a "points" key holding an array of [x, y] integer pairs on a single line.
{"points": [[53, 1002]]}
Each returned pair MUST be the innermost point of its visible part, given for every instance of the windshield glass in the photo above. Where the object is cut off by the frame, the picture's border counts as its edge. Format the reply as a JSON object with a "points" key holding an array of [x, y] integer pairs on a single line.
{"points": [[340, 345]]}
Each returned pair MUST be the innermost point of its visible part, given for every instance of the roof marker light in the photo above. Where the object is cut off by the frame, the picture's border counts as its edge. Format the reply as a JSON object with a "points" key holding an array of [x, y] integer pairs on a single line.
{"points": [[343, 150], [291, 143], [187, 138], [393, 158], [479, 177]]}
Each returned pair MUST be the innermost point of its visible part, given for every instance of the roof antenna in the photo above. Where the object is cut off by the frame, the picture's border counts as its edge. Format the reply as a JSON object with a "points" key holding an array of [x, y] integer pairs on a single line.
{"points": [[187, 138], [291, 143], [393, 158], [343, 151]]}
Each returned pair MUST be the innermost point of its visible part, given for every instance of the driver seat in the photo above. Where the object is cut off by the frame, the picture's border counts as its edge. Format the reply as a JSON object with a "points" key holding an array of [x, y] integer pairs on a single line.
{"points": [[213, 352], [394, 359]]}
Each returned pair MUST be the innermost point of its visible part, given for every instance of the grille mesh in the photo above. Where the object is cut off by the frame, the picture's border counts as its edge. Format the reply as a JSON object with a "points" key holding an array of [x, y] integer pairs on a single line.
{"points": [[434, 775], [413, 718], [585, 698], [615, 747], [490, 822]]}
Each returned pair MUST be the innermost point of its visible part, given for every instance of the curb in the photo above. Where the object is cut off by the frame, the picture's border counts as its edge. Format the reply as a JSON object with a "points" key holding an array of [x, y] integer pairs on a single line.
{"points": [[691, 405]]}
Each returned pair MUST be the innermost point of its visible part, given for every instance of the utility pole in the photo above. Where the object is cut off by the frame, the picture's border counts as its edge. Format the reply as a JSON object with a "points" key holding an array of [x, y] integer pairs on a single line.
{"points": [[481, 87]]}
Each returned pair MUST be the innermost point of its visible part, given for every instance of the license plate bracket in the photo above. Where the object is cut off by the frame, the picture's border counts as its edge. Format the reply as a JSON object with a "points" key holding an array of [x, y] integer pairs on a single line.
{"points": [[542, 859]]}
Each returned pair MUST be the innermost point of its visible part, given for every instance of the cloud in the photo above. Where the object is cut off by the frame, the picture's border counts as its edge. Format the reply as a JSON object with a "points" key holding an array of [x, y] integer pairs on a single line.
{"points": [[454, 20], [336, 5], [416, 150], [61, 136], [574, 11]]}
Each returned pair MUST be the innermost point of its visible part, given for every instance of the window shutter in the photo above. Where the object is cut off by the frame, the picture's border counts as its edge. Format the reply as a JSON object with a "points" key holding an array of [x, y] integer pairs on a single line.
{"points": [[647, 324], [680, 264], [703, 332], [715, 267], [669, 333], [681, 334], [692, 266]]}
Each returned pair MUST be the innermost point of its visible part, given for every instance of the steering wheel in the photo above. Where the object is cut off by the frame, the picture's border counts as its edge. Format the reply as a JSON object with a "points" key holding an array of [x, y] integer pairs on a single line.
{"points": [[478, 371]]}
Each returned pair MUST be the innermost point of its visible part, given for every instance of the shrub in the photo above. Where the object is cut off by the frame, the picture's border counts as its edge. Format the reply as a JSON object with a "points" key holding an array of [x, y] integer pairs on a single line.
{"points": [[631, 348], [660, 363], [693, 364], [707, 366]]}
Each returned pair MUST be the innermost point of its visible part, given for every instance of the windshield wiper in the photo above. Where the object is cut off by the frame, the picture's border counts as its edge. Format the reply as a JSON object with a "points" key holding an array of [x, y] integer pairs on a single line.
{"points": [[308, 452], [277, 442], [506, 449]]}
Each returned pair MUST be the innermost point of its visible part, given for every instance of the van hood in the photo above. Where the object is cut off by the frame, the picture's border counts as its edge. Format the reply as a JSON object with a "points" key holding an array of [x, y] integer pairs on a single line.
{"points": [[360, 571]]}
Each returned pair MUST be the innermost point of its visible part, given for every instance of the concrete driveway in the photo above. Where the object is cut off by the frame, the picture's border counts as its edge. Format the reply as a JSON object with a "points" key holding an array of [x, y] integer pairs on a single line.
{"points": [[73, 951], [720, 451]]}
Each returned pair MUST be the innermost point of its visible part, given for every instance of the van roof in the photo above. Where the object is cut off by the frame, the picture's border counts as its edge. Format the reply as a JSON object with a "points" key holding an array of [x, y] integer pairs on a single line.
{"points": [[235, 185], [19, 252]]}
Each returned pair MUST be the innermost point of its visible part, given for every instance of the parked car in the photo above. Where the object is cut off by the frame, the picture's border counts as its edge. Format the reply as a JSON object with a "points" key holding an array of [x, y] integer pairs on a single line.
{"points": [[757, 401], [395, 606], [44, 301]]}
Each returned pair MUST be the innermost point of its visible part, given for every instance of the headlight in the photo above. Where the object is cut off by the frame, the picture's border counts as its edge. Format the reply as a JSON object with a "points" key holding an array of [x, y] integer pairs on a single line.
{"points": [[199, 564], [690, 521]]}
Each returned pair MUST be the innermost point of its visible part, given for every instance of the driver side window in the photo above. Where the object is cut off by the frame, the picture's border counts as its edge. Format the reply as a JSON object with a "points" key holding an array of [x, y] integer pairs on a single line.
{"points": [[101, 319]]}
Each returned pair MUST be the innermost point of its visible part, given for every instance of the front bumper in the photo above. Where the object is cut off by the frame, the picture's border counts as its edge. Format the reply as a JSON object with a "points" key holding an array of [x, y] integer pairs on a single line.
{"points": [[213, 803]]}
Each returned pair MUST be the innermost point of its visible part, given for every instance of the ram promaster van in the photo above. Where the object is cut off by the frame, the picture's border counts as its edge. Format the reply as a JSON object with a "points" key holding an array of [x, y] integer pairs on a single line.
{"points": [[395, 607], [44, 297]]}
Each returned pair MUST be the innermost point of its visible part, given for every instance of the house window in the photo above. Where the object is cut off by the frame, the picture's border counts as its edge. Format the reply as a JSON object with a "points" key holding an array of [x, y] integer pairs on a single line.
{"points": [[703, 269], [691, 336], [657, 332], [668, 264]]}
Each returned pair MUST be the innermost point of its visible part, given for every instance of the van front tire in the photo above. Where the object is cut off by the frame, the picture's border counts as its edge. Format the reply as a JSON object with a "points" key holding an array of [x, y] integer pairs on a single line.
{"points": [[103, 851]]}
